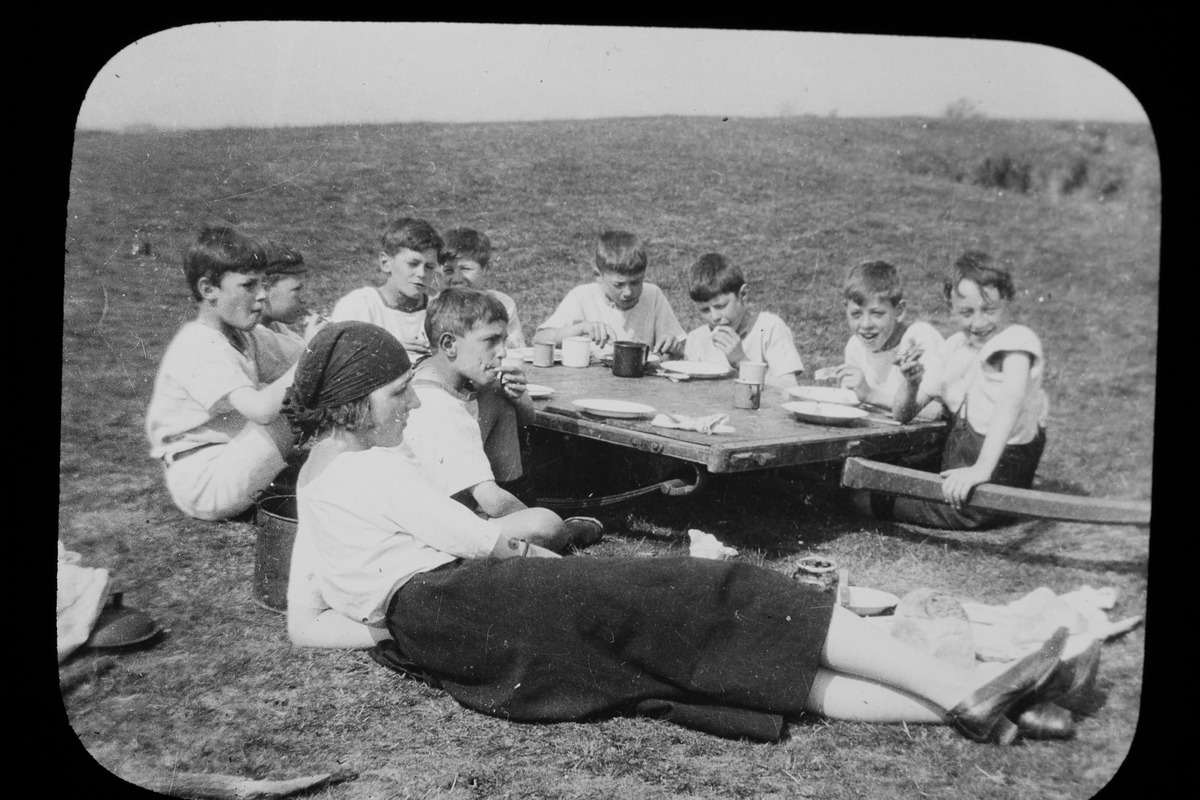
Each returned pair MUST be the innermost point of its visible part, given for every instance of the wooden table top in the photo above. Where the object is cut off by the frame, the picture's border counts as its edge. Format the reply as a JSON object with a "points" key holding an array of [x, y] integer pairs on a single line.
{"points": [[764, 438]]}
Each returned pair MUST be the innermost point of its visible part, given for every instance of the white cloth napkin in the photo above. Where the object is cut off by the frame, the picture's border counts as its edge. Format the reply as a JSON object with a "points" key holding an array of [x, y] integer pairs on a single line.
{"points": [[705, 545], [713, 423]]}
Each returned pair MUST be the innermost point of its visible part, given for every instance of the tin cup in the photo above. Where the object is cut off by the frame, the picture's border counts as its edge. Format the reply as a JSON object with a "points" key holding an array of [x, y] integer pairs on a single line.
{"points": [[576, 351], [543, 354], [752, 371], [629, 359], [746, 394]]}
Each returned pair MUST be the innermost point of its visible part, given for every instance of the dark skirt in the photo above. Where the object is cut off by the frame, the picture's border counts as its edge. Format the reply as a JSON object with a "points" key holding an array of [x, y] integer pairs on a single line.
{"points": [[720, 646]]}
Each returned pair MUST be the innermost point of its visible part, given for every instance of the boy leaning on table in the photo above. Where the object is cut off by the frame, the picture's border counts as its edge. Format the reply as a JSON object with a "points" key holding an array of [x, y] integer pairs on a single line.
{"points": [[409, 253], [619, 304], [733, 332], [214, 416]]}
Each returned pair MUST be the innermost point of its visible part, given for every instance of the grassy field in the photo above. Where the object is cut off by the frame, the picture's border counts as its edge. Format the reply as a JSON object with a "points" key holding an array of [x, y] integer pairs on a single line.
{"points": [[1075, 210]]}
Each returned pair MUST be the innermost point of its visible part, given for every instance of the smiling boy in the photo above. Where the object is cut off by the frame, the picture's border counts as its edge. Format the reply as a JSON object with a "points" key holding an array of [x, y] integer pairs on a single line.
{"points": [[882, 339], [466, 263], [619, 304], [410, 249], [732, 332], [214, 417]]}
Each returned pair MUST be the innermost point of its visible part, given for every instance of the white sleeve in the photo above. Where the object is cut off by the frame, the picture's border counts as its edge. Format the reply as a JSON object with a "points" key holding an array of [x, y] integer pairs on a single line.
{"points": [[351, 307], [779, 349], [446, 440], [569, 311], [665, 321]]}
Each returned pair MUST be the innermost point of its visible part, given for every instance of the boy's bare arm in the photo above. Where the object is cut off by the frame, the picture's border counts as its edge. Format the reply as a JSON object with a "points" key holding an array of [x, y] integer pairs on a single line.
{"points": [[958, 483], [495, 501], [262, 405]]}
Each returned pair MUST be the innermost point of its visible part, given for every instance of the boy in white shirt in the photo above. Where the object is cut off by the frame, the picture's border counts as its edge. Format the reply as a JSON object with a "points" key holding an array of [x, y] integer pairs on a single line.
{"points": [[410, 249], [733, 332], [619, 305], [882, 338], [990, 378], [465, 433], [466, 262], [214, 416]]}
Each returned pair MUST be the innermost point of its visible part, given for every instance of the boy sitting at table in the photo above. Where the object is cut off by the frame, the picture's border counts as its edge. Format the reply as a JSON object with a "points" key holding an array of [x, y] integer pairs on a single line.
{"points": [[466, 263], [619, 304], [214, 416], [465, 432], [882, 338], [733, 332], [410, 250]]}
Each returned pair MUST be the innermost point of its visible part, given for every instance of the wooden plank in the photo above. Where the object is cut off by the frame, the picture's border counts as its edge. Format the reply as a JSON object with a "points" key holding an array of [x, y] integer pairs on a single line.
{"points": [[860, 473]]}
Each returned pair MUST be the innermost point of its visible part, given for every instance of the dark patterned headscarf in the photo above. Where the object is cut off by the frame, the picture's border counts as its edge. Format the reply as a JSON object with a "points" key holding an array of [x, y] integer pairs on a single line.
{"points": [[343, 363]]}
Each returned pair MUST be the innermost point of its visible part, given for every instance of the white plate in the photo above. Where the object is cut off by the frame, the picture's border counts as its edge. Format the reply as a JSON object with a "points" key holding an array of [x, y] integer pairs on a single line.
{"points": [[538, 392], [697, 369], [618, 409], [868, 602], [824, 394], [824, 413]]}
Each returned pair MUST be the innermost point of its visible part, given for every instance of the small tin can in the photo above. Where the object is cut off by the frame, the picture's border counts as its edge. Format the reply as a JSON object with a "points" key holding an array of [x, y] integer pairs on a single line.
{"points": [[746, 394], [543, 354]]}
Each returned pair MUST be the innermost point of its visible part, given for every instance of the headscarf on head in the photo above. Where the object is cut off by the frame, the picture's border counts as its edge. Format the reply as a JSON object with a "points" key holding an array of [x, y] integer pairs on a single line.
{"points": [[343, 363]]}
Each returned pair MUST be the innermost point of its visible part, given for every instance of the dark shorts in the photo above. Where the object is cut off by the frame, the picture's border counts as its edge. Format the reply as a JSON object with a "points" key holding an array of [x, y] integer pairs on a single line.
{"points": [[1017, 466]]}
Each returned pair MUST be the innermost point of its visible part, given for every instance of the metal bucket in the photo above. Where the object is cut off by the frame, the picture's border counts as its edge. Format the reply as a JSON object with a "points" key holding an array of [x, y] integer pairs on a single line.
{"points": [[276, 521]]}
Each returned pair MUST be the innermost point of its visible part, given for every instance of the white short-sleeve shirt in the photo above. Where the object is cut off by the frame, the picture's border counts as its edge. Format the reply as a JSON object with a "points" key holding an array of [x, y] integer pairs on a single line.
{"points": [[444, 434], [879, 368], [769, 339], [974, 377], [649, 321], [200, 368], [367, 305], [367, 524]]}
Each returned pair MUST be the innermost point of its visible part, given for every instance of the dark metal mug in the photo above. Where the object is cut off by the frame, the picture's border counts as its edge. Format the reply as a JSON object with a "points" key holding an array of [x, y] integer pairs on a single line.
{"points": [[629, 359]]}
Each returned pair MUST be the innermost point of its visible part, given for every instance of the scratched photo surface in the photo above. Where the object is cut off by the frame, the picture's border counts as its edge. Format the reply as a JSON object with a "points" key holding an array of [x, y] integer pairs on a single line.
{"points": [[795, 156]]}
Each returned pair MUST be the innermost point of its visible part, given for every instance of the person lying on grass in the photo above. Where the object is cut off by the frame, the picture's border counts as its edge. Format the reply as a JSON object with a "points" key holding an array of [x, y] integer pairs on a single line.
{"points": [[510, 629], [213, 418], [989, 376]]}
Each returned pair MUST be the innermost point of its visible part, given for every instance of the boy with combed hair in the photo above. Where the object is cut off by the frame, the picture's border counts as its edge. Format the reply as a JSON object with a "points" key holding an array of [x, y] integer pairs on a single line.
{"points": [[410, 249], [214, 417], [882, 338], [466, 262], [733, 332], [619, 305]]}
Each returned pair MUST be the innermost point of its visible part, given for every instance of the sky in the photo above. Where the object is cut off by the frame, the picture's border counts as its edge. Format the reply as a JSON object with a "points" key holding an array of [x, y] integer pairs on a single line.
{"points": [[266, 74]]}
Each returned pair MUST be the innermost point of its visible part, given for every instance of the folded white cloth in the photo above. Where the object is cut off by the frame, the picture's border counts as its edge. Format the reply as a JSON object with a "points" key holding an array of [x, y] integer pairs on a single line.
{"points": [[1003, 633], [705, 545], [713, 423]]}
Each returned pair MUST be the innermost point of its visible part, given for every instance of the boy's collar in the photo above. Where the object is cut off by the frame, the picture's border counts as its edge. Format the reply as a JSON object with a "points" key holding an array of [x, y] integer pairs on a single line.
{"points": [[430, 370]]}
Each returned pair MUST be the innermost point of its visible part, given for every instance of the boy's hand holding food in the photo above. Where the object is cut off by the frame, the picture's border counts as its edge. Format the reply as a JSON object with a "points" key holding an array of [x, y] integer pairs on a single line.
{"points": [[909, 364], [668, 346], [512, 381], [725, 339]]}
